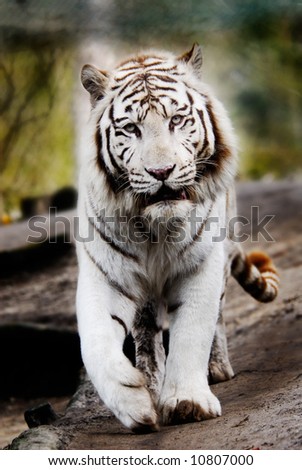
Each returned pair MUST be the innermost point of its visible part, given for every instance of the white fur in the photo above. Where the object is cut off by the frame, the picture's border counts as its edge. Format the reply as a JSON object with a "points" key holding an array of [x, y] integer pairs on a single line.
{"points": [[188, 273]]}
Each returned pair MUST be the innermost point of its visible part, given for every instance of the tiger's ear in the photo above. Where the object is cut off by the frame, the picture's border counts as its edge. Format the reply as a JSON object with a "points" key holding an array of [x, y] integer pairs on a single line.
{"points": [[193, 58], [95, 82]]}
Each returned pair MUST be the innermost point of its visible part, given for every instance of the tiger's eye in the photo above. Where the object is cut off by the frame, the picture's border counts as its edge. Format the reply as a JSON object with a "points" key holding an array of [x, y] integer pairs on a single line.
{"points": [[132, 128], [177, 119]]}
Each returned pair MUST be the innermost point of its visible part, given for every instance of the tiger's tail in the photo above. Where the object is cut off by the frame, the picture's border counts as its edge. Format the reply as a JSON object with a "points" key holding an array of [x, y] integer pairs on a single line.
{"points": [[256, 273]]}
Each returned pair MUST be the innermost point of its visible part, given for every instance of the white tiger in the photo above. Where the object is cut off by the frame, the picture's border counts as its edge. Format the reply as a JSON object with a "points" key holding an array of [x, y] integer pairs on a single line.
{"points": [[155, 192]]}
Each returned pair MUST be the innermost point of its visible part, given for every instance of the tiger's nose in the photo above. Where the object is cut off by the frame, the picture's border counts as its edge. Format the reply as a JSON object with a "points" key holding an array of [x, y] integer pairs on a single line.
{"points": [[161, 173]]}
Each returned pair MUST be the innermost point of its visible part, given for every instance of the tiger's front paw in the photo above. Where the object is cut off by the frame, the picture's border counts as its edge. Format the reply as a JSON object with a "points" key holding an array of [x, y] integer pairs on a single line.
{"points": [[126, 394], [137, 411], [186, 409]]}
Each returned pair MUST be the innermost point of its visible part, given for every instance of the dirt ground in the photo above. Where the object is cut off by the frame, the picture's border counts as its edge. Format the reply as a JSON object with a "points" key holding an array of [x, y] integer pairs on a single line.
{"points": [[262, 404]]}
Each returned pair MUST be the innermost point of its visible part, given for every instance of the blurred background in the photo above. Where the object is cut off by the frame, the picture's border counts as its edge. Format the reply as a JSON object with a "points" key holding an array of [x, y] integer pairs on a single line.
{"points": [[252, 59]]}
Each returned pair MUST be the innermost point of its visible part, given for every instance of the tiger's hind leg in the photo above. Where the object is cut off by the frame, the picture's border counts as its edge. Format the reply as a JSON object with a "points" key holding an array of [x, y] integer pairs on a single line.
{"points": [[150, 354], [220, 368]]}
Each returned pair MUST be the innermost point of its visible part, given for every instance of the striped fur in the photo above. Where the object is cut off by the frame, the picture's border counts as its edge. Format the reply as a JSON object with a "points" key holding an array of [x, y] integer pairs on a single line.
{"points": [[159, 173], [256, 273]]}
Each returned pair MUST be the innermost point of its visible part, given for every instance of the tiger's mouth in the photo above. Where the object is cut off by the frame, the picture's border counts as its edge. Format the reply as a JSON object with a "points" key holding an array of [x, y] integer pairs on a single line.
{"points": [[166, 195]]}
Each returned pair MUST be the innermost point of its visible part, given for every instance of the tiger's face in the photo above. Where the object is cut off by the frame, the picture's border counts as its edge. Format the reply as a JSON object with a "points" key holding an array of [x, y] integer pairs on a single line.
{"points": [[156, 133], [158, 138]]}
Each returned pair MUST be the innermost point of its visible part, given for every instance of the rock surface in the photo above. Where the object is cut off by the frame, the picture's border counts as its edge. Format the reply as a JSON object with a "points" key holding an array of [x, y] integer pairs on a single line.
{"points": [[261, 404]]}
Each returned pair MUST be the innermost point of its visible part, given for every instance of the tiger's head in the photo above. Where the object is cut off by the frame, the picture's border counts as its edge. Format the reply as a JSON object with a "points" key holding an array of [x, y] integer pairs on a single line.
{"points": [[163, 142]]}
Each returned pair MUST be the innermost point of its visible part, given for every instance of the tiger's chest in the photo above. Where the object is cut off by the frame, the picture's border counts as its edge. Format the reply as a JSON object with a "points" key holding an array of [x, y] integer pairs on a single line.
{"points": [[181, 250]]}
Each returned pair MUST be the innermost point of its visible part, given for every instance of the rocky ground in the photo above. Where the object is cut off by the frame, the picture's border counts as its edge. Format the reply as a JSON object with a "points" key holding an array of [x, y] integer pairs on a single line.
{"points": [[41, 361]]}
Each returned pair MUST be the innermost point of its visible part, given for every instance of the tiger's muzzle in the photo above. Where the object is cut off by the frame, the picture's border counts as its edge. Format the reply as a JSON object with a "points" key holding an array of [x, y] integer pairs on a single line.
{"points": [[166, 195]]}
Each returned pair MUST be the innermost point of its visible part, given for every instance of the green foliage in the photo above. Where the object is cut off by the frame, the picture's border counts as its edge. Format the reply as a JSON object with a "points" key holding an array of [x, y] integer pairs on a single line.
{"points": [[253, 59], [36, 129], [141, 20], [252, 55]]}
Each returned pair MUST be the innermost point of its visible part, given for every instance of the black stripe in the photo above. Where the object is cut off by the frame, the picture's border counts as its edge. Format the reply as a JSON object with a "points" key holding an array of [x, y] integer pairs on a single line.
{"points": [[110, 241], [121, 156], [134, 67], [111, 113], [189, 180], [201, 152], [188, 120], [126, 76], [143, 113], [113, 162], [165, 70], [189, 87], [222, 150], [191, 101], [119, 132], [145, 319], [182, 176], [112, 283], [144, 101], [187, 148], [125, 86], [111, 180], [122, 88], [139, 182], [138, 81], [173, 307], [144, 330], [200, 230], [206, 142], [200, 166], [183, 167], [164, 109], [115, 87], [129, 158], [133, 93], [183, 108], [99, 145], [121, 119], [198, 233], [120, 321], [164, 78], [156, 87], [173, 101], [147, 66]]}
